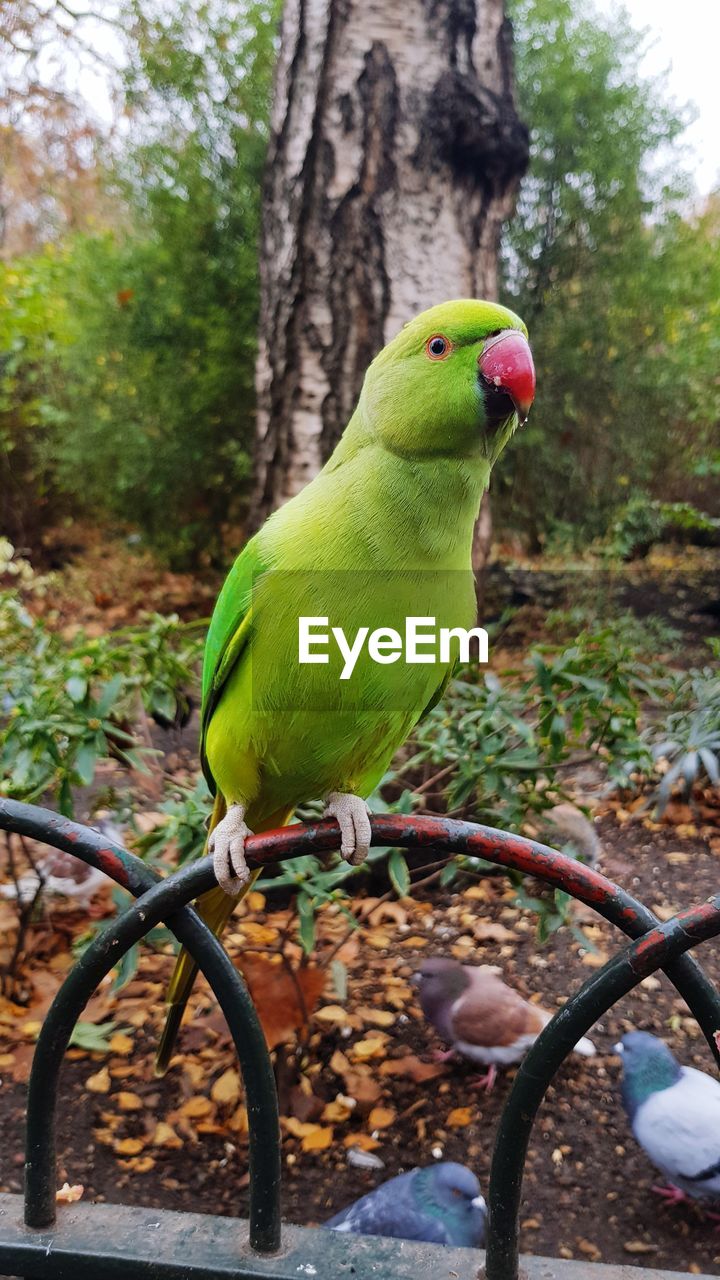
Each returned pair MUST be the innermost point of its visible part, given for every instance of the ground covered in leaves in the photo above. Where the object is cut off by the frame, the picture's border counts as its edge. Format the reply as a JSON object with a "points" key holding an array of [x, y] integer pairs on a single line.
{"points": [[358, 1075]]}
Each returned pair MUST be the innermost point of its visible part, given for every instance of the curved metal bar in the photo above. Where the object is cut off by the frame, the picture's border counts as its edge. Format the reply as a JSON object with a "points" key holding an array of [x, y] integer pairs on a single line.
{"points": [[665, 942], [132, 874], [48, 827], [161, 902], [443, 834]]}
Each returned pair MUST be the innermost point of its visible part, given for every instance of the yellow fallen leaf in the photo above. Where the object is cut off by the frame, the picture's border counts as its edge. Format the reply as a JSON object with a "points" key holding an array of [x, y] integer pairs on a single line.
{"points": [[414, 941], [377, 1017], [7, 1060], [298, 1128], [362, 1140], [594, 959], [339, 1110], [373, 1047], [238, 1121], [165, 1136], [143, 1164], [31, 1028], [128, 1147], [381, 1117], [68, 1194], [226, 1088], [320, 1140], [459, 1117], [120, 1043], [196, 1107], [255, 900], [128, 1101], [333, 1014], [261, 935], [100, 1082]]}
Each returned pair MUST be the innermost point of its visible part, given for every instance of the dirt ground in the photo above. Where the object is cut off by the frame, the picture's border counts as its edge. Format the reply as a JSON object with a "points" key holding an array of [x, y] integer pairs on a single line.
{"points": [[180, 1143]]}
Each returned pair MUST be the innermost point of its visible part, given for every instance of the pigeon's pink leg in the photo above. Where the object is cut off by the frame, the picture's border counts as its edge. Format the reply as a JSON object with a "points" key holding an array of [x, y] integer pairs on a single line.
{"points": [[673, 1195], [486, 1082], [443, 1055]]}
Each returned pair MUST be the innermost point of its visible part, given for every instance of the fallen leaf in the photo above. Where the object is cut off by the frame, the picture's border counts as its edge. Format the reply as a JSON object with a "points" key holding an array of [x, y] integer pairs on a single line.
{"points": [[339, 1110], [639, 1246], [459, 1117], [100, 1082], [381, 1117], [128, 1146], [412, 1067], [121, 1044], [165, 1136], [333, 1014], [128, 1101], [362, 1140], [283, 1001], [196, 1107], [68, 1194], [320, 1140], [373, 1047], [226, 1088], [492, 931], [377, 1017]]}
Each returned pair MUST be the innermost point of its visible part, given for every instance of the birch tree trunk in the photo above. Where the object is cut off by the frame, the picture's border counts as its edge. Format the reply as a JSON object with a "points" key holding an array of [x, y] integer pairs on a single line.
{"points": [[394, 160]]}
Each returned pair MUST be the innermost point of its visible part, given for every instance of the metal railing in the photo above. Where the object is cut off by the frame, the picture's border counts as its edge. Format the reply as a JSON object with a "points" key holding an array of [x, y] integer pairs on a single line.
{"points": [[655, 945]]}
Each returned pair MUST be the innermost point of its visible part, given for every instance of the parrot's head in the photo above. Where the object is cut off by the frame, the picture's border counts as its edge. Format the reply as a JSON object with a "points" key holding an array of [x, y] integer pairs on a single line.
{"points": [[456, 381]]}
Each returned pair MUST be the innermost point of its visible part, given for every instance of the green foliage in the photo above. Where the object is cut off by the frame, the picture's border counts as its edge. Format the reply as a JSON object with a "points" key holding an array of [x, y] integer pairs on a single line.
{"points": [[95, 1037], [67, 705], [507, 738], [620, 293], [35, 334], [128, 388], [689, 739], [644, 521]]}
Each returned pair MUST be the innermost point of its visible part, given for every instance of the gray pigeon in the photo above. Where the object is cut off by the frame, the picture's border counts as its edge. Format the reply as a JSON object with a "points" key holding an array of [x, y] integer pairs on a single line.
{"points": [[674, 1113], [440, 1203], [477, 1013]]}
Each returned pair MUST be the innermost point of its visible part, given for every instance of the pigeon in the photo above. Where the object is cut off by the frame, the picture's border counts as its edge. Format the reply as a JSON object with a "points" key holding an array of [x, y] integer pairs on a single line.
{"points": [[674, 1113], [480, 1016], [440, 1203]]}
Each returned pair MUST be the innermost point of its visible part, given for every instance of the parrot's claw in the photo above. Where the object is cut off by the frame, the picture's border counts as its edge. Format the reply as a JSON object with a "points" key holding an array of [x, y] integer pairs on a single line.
{"points": [[352, 818], [227, 845]]}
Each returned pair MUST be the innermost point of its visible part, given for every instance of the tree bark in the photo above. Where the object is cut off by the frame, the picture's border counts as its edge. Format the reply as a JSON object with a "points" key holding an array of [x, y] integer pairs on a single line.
{"points": [[394, 160]]}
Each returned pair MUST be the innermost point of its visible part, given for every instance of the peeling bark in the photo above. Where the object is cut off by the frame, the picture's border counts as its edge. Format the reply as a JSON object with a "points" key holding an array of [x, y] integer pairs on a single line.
{"points": [[394, 160]]}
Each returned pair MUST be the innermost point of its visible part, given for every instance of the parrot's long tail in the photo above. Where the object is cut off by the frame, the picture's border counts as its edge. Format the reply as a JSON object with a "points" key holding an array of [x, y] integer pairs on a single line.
{"points": [[215, 907]]}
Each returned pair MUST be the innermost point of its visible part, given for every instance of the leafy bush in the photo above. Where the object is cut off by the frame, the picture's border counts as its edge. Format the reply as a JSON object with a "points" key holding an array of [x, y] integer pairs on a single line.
{"points": [[644, 521], [689, 739], [66, 705]]}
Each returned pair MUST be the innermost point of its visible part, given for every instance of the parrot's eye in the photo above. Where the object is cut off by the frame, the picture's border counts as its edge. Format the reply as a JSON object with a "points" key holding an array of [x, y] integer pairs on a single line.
{"points": [[437, 347]]}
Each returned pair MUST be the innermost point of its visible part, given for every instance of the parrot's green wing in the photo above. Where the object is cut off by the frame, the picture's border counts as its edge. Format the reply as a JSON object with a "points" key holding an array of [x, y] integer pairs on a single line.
{"points": [[451, 671], [227, 638]]}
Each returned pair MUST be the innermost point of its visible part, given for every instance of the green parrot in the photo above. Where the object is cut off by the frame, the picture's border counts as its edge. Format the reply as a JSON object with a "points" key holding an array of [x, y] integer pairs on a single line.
{"points": [[382, 534]]}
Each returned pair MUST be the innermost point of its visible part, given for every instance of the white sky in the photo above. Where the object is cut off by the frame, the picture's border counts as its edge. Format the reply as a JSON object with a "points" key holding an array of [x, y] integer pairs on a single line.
{"points": [[684, 40]]}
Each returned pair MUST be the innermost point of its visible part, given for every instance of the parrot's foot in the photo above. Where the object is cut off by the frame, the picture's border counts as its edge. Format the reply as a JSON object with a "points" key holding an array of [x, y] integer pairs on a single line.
{"points": [[486, 1082], [227, 845], [671, 1194], [352, 818]]}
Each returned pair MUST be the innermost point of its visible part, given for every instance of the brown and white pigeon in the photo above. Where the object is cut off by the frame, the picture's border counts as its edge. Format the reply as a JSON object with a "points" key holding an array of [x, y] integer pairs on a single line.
{"points": [[479, 1015]]}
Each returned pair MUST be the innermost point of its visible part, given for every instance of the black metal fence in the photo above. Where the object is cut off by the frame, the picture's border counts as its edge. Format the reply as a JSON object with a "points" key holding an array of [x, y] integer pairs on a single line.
{"points": [[112, 1242]]}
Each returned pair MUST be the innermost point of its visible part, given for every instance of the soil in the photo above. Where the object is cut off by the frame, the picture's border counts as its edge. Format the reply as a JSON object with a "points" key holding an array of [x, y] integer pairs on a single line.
{"points": [[587, 1191]]}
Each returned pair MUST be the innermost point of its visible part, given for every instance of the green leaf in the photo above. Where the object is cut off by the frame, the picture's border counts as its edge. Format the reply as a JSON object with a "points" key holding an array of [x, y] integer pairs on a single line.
{"points": [[398, 872]]}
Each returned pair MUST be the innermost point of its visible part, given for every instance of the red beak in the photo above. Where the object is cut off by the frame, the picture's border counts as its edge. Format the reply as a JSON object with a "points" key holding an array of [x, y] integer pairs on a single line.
{"points": [[506, 364]]}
